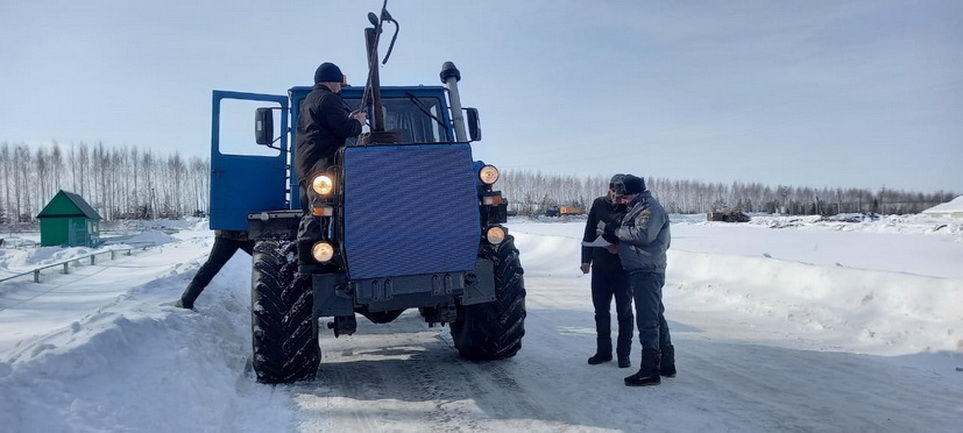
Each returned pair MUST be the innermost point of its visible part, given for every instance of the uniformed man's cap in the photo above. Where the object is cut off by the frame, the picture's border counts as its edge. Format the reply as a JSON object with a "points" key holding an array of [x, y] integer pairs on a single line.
{"points": [[629, 184]]}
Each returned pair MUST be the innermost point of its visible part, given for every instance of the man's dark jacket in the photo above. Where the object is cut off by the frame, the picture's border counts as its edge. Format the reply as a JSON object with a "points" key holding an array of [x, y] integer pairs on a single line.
{"points": [[605, 211], [323, 125]]}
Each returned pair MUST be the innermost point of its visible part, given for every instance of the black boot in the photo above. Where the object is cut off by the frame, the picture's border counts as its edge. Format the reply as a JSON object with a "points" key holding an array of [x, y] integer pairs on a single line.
{"points": [[603, 353], [624, 361], [190, 295], [667, 365], [649, 373]]}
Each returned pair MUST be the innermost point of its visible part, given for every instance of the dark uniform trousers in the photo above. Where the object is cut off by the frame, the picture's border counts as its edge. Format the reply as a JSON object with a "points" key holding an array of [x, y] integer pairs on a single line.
{"points": [[606, 284], [221, 252], [649, 310]]}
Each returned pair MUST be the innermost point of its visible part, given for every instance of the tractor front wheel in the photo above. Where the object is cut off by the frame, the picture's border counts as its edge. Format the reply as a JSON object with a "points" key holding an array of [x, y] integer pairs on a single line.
{"points": [[284, 332], [494, 330]]}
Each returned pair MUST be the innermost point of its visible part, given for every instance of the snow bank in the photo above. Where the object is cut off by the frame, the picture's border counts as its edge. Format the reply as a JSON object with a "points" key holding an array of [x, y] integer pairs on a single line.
{"points": [[166, 225], [139, 365], [897, 224], [22, 259], [951, 208], [872, 311], [154, 237]]}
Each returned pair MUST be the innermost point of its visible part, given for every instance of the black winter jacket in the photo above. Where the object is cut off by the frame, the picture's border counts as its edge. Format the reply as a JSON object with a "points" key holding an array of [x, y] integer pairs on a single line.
{"points": [[605, 211], [323, 125]]}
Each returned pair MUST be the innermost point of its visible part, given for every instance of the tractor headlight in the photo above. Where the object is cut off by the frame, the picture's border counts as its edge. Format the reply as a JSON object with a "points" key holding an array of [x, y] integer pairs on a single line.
{"points": [[495, 235], [488, 174], [322, 251], [323, 185]]}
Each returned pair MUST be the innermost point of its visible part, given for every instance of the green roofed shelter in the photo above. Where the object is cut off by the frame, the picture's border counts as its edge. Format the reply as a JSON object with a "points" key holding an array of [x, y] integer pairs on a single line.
{"points": [[69, 220]]}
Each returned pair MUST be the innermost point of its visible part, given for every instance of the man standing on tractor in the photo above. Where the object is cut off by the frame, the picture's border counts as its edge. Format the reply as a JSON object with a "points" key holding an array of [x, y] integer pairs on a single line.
{"points": [[324, 123], [643, 240], [608, 280]]}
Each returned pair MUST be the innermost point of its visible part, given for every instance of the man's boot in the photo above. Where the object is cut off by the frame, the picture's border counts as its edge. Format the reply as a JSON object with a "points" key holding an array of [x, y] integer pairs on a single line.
{"points": [[603, 352], [667, 365], [624, 361], [649, 373], [190, 295]]}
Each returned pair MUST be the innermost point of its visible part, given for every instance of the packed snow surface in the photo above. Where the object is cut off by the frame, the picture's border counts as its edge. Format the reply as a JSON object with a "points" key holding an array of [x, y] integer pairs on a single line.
{"points": [[779, 325]]}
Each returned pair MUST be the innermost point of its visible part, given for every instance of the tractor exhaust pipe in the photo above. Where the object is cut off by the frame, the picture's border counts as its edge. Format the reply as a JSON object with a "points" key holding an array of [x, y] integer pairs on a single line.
{"points": [[450, 76]]}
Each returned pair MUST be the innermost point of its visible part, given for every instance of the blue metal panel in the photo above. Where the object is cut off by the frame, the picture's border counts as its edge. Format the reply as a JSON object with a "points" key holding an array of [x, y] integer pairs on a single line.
{"points": [[410, 210], [242, 184]]}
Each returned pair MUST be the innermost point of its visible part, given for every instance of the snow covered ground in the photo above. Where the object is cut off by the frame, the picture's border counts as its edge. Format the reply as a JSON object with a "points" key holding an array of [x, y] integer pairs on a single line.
{"points": [[814, 326]]}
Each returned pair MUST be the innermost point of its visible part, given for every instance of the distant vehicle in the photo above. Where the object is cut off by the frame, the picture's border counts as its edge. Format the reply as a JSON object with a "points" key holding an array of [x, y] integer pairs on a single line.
{"points": [[571, 210], [728, 216], [557, 211], [404, 219]]}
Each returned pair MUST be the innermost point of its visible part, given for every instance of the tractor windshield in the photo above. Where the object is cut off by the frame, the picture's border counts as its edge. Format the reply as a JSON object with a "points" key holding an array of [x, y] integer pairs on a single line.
{"points": [[410, 115]]}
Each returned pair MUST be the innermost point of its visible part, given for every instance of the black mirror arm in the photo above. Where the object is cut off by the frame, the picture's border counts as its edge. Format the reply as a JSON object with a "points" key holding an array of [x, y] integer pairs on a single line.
{"points": [[269, 145]]}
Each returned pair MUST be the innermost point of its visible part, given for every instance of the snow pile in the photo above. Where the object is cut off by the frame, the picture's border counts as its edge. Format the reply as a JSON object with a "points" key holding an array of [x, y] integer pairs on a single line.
{"points": [[152, 237], [139, 364], [164, 225], [952, 208], [23, 259], [888, 313], [907, 224], [725, 268]]}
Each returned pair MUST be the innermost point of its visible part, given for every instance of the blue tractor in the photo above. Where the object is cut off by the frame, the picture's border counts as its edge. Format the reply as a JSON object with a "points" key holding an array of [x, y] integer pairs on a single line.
{"points": [[403, 218]]}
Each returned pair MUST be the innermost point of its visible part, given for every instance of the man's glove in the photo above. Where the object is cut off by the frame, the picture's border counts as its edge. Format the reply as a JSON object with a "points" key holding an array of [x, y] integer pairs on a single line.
{"points": [[608, 232]]}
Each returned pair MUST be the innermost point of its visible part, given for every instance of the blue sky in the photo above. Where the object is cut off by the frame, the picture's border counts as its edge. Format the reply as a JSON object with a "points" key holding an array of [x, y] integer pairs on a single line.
{"points": [[820, 93]]}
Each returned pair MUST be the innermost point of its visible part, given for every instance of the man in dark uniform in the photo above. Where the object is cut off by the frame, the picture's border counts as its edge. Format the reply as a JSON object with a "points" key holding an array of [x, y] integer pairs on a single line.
{"points": [[608, 280], [226, 243], [643, 240], [324, 123]]}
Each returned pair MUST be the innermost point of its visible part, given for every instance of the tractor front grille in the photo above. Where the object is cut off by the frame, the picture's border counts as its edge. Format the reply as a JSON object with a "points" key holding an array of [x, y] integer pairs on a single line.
{"points": [[409, 210]]}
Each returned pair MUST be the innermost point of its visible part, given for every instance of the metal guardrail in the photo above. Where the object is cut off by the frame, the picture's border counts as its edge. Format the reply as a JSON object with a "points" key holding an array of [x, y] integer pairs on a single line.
{"points": [[66, 264]]}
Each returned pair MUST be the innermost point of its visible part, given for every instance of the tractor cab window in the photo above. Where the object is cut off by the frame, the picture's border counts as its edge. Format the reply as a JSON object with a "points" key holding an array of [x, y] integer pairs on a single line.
{"points": [[404, 114]]}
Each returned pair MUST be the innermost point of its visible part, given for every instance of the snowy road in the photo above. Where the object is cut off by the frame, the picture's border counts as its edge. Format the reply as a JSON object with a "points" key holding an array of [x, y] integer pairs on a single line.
{"points": [[763, 345]]}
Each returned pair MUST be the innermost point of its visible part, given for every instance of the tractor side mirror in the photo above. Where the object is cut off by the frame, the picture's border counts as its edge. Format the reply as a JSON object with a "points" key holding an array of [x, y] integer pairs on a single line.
{"points": [[264, 126], [474, 129]]}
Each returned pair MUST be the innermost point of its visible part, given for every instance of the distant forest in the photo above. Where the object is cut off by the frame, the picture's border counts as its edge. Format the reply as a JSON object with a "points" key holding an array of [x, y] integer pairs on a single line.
{"points": [[121, 182], [125, 182], [531, 192]]}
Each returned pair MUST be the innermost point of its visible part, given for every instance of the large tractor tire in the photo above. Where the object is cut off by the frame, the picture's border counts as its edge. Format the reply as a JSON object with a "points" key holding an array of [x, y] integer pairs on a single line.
{"points": [[284, 332], [494, 330]]}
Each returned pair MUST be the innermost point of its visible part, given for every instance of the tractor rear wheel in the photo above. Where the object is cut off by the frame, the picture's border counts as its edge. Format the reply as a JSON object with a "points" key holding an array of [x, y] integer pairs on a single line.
{"points": [[284, 331], [494, 330]]}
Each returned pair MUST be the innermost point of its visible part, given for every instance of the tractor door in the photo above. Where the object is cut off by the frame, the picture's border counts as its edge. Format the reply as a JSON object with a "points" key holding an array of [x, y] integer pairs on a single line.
{"points": [[245, 177]]}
